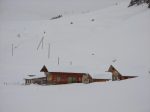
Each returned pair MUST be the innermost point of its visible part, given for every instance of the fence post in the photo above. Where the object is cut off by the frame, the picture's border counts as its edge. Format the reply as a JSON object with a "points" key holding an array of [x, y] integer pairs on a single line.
{"points": [[12, 49], [58, 60], [41, 42], [49, 50]]}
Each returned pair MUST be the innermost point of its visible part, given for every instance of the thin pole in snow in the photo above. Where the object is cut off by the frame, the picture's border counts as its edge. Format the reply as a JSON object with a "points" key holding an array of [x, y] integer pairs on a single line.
{"points": [[49, 50], [58, 60], [41, 42], [70, 62], [12, 49]]}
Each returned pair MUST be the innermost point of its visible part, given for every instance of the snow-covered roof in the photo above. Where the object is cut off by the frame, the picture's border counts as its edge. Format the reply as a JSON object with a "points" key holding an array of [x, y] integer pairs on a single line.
{"points": [[102, 76], [39, 75]]}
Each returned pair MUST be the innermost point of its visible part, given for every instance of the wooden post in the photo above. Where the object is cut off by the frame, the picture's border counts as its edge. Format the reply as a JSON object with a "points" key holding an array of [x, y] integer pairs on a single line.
{"points": [[41, 42], [58, 60], [70, 62], [12, 49], [49, 50]]}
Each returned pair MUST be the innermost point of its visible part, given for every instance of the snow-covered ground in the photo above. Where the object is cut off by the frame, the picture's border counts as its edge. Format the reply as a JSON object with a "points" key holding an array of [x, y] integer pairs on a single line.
{"points": [[126, 96], [102, 31]]}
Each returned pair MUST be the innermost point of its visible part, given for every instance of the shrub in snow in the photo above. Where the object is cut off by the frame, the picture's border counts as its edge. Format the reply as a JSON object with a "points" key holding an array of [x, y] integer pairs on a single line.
{"points": [[56, 17], [92, 19], [93, 54], [71, 22], [148, 3], [18, 35]]}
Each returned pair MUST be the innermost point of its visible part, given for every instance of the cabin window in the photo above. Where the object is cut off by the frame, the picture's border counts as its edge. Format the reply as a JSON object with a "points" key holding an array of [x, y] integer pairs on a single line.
{"points": [[80, 79], [74, 79], [69, 79], [58, 78], [49, 77]]}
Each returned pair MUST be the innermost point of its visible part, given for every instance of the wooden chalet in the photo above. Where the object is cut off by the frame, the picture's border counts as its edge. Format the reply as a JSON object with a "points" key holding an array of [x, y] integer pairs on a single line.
{"points": [[62, 78], [118, 76], [59, 78]]}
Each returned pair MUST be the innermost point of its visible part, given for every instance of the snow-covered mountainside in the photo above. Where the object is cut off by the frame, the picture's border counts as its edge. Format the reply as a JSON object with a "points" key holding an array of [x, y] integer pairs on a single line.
{"points": [[89, 36], [39, 10]]}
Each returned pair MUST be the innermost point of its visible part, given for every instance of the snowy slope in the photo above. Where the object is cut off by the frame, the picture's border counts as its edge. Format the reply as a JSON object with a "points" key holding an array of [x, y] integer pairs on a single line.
{"points": [[117, 32], [39, 10]]}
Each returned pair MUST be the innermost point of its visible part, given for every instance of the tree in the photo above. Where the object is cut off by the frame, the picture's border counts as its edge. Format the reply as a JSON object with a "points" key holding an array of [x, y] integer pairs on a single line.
{"points": [[133, 2], [148, 3], [138, 2]]}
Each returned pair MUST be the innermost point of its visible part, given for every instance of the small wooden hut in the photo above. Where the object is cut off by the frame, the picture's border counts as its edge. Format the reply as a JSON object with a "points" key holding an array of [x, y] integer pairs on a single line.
{"points": [[116, 75]]}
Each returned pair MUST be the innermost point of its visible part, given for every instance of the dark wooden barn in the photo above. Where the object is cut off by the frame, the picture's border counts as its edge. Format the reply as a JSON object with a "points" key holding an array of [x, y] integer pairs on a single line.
{"points": [[116, 75]]}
